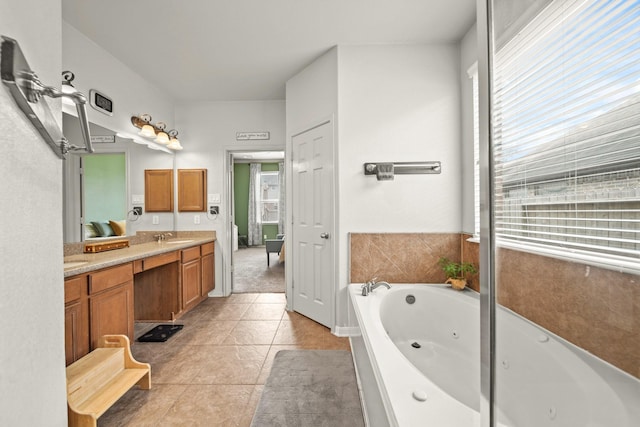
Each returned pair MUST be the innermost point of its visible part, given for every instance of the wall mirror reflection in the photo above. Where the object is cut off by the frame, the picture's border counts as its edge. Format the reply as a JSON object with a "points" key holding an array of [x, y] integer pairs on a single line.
{"points": [[99, 187]]}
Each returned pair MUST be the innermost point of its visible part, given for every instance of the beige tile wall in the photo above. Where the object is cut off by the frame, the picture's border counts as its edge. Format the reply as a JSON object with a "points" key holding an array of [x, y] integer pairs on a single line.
{"points": [[596, 309]]}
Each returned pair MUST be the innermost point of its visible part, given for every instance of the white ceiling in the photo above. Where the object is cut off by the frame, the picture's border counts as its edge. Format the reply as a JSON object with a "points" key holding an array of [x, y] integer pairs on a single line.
{"points": [[226, 50]]}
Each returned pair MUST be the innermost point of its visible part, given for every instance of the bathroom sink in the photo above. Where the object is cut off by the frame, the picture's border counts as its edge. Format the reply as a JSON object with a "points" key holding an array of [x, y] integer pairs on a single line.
{"points": [[72, 264], [179, 241]]}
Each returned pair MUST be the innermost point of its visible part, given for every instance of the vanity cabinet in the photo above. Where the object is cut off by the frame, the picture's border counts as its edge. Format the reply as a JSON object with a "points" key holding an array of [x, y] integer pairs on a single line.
{"points": [[158, 190], [192, 190], [76, 318], [96, 304], [207, 263], [191, 276], [157, 288], [111, 302]]}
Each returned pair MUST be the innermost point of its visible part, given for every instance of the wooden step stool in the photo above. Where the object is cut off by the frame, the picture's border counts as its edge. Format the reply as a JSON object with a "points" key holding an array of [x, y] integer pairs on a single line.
{"points": [[99, 379]]}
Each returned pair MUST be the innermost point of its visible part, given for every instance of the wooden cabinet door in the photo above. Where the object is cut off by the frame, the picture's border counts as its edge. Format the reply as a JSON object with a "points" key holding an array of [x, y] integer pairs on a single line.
{"points": [[192, 190], [76, 334], [111, 312], [208, 273], [158, 190], [191, 281], [76, 318]]}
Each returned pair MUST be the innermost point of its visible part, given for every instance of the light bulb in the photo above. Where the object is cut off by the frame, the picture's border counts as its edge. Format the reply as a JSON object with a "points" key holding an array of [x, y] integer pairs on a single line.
{"points": [[147, 130], [162, 138]]}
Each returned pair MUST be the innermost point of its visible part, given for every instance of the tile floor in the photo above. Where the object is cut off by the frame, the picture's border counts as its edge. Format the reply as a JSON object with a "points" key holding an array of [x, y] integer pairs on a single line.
{"points": [[213, 371]]}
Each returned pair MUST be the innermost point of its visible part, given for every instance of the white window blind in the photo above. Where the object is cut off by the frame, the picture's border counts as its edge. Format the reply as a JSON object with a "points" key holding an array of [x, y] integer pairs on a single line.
{"points": [[566, 132]]}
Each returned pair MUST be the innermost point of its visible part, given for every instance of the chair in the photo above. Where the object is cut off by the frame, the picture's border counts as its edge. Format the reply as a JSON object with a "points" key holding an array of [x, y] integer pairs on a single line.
{"points": [[274, 245]]}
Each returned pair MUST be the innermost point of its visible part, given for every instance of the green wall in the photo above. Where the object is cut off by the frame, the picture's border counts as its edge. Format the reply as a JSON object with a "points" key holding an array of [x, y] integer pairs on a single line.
{"points": [[241, 196], [105, 192]]}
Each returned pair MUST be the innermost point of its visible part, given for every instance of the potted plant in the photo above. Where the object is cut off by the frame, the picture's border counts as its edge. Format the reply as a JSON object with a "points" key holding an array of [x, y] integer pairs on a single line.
{"points": [[456, 272]]}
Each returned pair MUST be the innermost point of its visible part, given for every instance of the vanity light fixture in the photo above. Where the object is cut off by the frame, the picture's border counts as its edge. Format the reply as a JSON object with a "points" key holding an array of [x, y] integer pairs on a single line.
{"points": [[157, 131], [174, 143], [67, 86], [161, 137]]}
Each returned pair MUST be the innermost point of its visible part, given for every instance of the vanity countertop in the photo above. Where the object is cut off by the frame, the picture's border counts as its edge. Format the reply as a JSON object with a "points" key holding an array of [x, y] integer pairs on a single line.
{"points": [[86, 262]]}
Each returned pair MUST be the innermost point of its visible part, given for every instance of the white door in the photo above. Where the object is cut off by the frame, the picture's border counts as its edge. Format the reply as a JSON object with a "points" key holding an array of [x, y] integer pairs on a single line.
{"points": [[312, 201]]}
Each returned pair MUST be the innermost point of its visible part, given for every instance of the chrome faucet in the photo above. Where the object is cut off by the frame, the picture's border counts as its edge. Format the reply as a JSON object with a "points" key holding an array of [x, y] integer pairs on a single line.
{"points": [[162, 237], [371, 285]]}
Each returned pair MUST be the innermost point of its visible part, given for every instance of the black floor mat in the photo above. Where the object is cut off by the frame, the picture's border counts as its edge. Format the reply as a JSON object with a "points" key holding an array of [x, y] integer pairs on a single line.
{"points": [[160, 333]]}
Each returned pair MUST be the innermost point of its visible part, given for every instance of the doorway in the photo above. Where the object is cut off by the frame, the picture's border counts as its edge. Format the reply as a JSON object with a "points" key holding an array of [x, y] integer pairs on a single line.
{"points": [[256, 190]]}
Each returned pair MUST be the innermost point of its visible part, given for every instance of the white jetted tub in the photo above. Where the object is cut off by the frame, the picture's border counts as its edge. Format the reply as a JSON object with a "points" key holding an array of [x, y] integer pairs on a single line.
{"points": [[418, 364]]}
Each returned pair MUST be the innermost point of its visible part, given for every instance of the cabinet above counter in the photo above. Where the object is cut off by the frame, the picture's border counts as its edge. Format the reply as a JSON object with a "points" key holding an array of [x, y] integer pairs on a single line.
{"points": [[87, 262]]}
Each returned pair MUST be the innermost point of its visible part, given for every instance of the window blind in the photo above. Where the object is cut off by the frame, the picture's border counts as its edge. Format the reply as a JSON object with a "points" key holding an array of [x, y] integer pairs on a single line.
{"points": [[566, 132]]}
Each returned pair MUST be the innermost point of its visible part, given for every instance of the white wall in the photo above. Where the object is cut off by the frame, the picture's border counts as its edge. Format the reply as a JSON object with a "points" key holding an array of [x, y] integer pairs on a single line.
{"points": [[132, 94], [32, 364], [312, 98], [208, 132], [397, 103], [468, 56], [389, 103]]}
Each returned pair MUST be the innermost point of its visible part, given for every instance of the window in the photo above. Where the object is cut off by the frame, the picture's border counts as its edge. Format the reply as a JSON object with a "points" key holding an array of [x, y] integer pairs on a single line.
{"points": [[269, 197], [473, 75], [566, 134]]}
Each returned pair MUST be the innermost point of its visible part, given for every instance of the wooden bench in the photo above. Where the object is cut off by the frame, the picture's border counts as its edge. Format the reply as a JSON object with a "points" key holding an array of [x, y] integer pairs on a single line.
{"points": [[99, 379]]}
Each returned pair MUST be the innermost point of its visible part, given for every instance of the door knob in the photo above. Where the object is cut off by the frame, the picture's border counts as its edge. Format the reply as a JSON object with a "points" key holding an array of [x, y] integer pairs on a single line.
{"points": [[324, 235]]}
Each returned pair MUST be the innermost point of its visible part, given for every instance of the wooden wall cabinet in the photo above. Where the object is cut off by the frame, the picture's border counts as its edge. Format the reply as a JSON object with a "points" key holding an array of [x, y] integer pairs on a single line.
{"points": [[192, 190], [158, 190]]}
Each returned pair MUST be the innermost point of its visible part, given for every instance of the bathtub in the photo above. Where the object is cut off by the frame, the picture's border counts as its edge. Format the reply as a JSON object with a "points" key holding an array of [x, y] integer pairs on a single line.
{"points": [[418, 364]]}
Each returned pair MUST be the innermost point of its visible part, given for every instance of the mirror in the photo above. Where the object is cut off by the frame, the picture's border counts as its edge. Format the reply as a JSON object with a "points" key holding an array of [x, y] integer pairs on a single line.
{"points": [[99, 189]]}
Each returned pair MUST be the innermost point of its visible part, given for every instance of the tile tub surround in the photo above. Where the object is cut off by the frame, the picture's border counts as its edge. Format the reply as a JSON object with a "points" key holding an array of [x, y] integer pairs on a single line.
{"points": [[401, 257], [213, 371], [594, 308]]}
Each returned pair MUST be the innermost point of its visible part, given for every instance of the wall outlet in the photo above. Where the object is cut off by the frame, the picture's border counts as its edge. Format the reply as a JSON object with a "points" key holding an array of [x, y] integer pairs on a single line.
{"points": [[264, 237], [196, 219], [155, 219]]}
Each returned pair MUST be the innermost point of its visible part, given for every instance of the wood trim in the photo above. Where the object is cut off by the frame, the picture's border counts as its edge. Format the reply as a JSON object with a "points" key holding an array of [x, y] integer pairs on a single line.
{"points": [[158, 260]]}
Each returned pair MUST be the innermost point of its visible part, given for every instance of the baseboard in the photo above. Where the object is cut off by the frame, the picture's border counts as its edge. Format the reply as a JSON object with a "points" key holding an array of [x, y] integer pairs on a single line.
{"points": [[346, 331]]}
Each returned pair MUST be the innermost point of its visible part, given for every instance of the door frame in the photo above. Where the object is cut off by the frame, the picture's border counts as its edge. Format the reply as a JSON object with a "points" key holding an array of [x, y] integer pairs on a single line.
{"points": [[228, 264], [332, 243]]}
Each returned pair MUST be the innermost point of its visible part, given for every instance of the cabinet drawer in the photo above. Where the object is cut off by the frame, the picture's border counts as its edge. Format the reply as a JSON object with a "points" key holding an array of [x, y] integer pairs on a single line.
{"points": [[206, 249], [74, 288], [158, 260], [190, 254], [110, 277]]}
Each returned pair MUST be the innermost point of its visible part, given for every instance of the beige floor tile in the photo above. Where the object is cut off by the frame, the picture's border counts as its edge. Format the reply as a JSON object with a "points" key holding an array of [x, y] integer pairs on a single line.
{"points": [[226, 311], [252, 332], [264, 312], [209, 405], [274, 298], [242, 298], [212, 372], [252, 405], [205, 332], [142, 407]]}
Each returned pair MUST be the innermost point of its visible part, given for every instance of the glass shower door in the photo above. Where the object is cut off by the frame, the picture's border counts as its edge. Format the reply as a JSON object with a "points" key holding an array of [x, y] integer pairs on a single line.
{"points": [[565, 212]]}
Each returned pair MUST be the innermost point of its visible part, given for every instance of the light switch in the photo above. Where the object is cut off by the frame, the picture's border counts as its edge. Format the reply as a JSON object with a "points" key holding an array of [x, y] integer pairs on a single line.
{"points": [[214, 198], [137, 199]]}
